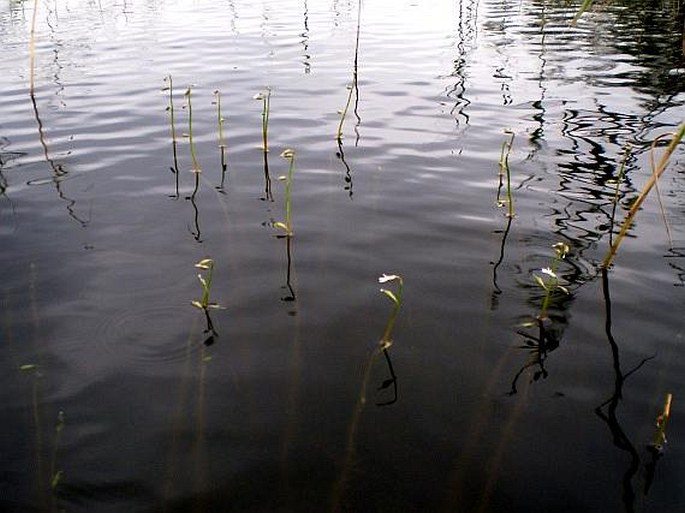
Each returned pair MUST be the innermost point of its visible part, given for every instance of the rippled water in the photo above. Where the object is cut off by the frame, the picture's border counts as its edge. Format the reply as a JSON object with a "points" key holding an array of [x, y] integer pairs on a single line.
{"points": [[294, 407]]}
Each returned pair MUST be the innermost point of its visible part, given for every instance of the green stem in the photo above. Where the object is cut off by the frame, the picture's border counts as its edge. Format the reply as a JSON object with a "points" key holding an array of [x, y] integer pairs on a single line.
{"points": [[658, 171]]}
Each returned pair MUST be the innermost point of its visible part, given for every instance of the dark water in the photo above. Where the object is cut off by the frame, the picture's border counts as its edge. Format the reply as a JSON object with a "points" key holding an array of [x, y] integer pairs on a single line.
{"points": [[294, 407]]}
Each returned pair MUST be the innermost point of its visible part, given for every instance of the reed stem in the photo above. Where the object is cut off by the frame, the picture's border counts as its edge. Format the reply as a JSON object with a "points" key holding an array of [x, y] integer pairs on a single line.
{"points": [[657, 172]]}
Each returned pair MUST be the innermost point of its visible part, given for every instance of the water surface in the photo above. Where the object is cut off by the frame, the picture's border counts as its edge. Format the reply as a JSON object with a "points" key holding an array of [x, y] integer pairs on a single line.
{"points": [[294, 407]]}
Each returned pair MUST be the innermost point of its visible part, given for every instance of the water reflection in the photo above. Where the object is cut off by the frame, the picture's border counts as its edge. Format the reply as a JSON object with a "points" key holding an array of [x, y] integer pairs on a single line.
{"points": [[539, 346], [353, 92], [290, 291], [58, 172], [6, 157], [349, 185], [305, 40], [465, 36], [497, 291], [607, 411]]}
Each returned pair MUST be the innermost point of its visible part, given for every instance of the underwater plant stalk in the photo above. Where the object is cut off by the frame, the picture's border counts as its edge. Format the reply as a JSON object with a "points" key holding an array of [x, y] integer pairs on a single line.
{"points": [[658, 171]]}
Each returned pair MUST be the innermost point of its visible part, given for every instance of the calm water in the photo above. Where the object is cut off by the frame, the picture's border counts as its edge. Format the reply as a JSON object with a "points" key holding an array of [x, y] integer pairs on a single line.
{"points": [[111, 402]]}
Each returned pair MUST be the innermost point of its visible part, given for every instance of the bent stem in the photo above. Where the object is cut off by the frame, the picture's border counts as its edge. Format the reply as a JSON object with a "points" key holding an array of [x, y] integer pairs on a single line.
{"points": [[658, 171], [396, 298]]}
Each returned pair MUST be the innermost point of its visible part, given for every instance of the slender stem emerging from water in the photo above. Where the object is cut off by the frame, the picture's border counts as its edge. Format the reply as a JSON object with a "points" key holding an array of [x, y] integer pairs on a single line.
{"points": [[658, 171]]}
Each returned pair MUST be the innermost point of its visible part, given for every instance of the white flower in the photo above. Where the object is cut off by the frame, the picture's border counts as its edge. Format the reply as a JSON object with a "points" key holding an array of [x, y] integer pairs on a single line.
{"points": [[548, 272], [385, 278]]}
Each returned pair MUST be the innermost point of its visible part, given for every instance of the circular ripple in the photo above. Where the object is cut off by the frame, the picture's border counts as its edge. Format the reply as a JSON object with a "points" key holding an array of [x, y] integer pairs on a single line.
{"points": [[151, 336]]}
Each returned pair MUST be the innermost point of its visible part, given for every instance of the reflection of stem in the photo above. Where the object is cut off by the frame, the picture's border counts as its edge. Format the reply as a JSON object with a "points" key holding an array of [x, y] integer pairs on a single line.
{"points": [[392, 380], [305, 40], [58, 172], [497, 290], [172, 125], [540, 346], [196, 218], [222, 144], [291, 291], [268, 196], [353, 88], [348, 171], [620, 439]]}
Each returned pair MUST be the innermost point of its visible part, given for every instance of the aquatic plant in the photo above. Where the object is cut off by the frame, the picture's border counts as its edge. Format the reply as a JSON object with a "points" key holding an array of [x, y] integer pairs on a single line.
{"points": [[396, 298], [662, 424], [172, 125], [204, 303], [206, 264], [353, 88], [583, 7], [265, 98], [657, 171], [55, 475], [220, 134], [619, 180], [196, 170], [343, 113], [504, 171], [548, 278], [287, 226]]}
